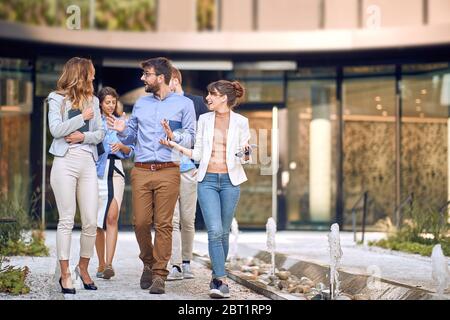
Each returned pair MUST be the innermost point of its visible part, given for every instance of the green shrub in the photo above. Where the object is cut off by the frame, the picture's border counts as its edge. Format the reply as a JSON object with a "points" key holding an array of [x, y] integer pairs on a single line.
{"points": [[13, 241], [418, 222], [394, 243], [34, 247], [12, 279], [12, 231]]}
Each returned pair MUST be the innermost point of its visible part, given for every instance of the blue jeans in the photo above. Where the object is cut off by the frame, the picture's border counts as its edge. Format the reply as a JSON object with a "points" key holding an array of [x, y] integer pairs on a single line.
{"points": [[218, 199]]}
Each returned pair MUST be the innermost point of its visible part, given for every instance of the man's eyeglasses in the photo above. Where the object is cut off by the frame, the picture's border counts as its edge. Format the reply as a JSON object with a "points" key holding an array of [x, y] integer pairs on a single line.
{"points": [[148, 74]]}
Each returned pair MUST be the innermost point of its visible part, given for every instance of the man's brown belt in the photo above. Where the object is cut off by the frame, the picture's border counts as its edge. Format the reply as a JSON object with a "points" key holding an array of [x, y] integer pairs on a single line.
{"points": [[154, 166]]}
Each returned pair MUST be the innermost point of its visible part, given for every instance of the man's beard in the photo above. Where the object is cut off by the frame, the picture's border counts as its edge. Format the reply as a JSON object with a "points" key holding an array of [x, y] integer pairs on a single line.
{"points": [[152, 88]]}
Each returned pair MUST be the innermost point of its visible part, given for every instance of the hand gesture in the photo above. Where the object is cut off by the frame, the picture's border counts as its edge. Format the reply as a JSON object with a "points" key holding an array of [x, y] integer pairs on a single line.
{"points": [[117, 124], [115, 147], [167, 143], [88, 113], [74, 137], [247, 152], [167, 130]]}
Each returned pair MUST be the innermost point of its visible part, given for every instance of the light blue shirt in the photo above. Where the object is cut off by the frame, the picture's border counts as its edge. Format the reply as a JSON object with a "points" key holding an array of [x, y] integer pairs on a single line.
{"points": [[186, 164], [110, 137], [144, 128]]}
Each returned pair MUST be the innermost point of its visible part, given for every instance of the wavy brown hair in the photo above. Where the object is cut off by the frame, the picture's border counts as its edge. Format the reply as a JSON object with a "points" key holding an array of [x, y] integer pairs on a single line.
{"points": [[75, 82]]}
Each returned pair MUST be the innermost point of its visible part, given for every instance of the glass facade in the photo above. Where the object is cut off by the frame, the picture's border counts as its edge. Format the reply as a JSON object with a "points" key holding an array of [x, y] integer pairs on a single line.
{"points": [[382, 129], [369, 104], [16, 105], [424, 139]]}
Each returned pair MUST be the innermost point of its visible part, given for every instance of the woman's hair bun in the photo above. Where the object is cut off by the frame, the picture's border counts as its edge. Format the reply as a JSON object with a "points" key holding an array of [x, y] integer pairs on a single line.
{"points": [[238, 88]]}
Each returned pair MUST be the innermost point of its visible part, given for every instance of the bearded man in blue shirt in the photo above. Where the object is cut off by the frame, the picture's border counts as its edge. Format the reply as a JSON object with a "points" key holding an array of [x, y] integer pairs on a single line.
{"points": [[155, 177]]}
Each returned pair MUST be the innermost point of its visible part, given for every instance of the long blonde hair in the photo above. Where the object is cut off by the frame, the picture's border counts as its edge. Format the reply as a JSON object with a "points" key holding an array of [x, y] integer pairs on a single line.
{"points": [[75, 82]]}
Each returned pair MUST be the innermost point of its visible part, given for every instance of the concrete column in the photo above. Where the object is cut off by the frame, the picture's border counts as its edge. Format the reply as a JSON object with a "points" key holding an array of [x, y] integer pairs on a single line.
{"points": [[237, 15], [438, 11], [320, 156], [341, 14], [288, 15], [177, 15]]}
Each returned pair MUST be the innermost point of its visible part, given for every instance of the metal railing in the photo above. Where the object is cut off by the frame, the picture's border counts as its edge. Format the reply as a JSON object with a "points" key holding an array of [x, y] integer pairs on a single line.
{"points": [[398, 210], [364, 197], [8, 220]]}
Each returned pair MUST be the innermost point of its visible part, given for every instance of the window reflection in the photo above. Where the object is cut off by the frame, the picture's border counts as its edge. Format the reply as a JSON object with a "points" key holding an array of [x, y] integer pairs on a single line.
{"points": [[424, 143]]}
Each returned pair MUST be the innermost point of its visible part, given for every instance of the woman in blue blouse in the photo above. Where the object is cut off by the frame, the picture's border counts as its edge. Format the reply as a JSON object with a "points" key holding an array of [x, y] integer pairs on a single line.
{"points": [[111, 183]]}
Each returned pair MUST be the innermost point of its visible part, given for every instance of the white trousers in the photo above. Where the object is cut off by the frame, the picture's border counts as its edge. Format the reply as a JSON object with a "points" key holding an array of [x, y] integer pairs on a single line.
{"points": [[73, 179]]}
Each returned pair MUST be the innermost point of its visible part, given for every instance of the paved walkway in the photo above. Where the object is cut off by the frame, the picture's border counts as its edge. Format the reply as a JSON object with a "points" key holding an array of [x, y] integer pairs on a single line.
{"points": [[125, 285], [413, 270], [410, 269]]}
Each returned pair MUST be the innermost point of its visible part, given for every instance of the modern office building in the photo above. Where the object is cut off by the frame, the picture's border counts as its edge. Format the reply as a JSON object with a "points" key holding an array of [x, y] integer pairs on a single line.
{"points": [[362, 89]]}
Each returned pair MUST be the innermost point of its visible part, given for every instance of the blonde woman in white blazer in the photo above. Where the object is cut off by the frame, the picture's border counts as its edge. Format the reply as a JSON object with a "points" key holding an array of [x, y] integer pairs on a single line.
{"points": [[221, 147], [76, 126]]}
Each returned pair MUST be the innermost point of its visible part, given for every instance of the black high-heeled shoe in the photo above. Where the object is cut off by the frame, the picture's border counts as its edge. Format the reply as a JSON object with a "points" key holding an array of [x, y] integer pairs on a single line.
{"points": [[87, 286], [66, 290]]}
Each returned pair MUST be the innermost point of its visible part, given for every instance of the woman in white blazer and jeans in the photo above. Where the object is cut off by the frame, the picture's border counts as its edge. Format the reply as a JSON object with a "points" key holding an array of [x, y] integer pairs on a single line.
{"points": [[221, 141], [76, 126]]}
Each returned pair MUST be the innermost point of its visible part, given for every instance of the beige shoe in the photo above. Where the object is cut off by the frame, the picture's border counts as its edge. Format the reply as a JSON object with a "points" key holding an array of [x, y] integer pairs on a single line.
{"points": [[100, 272], [108, 273]]}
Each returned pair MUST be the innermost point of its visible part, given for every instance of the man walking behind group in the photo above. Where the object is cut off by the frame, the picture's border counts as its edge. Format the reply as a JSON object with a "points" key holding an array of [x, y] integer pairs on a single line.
{"points": [[155, 177], [184, 214]]}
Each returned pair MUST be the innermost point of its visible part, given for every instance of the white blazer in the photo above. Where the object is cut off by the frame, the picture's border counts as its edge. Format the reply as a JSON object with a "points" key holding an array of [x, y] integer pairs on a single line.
{"points": [[238, 135]]}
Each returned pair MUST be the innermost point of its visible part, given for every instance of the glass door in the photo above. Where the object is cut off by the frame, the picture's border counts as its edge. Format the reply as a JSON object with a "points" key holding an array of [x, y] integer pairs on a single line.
{"points": [[308, 176], [369, 105]]}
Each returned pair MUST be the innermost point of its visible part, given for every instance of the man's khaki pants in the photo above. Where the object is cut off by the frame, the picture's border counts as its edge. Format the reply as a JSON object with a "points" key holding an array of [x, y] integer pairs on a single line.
{"points": [[154, 196], [184, 219]]}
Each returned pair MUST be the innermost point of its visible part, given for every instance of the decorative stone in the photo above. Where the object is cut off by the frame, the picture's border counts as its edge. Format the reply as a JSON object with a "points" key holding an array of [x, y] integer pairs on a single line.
{"points": [[283, 275], [283, 284], [293, 289], [305, 289], [307, 282], [247, 276]]}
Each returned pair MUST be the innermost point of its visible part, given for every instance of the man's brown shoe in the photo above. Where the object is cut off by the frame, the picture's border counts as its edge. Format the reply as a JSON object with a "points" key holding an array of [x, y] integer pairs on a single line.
{"points": [[146, 277], [158, 285]]}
